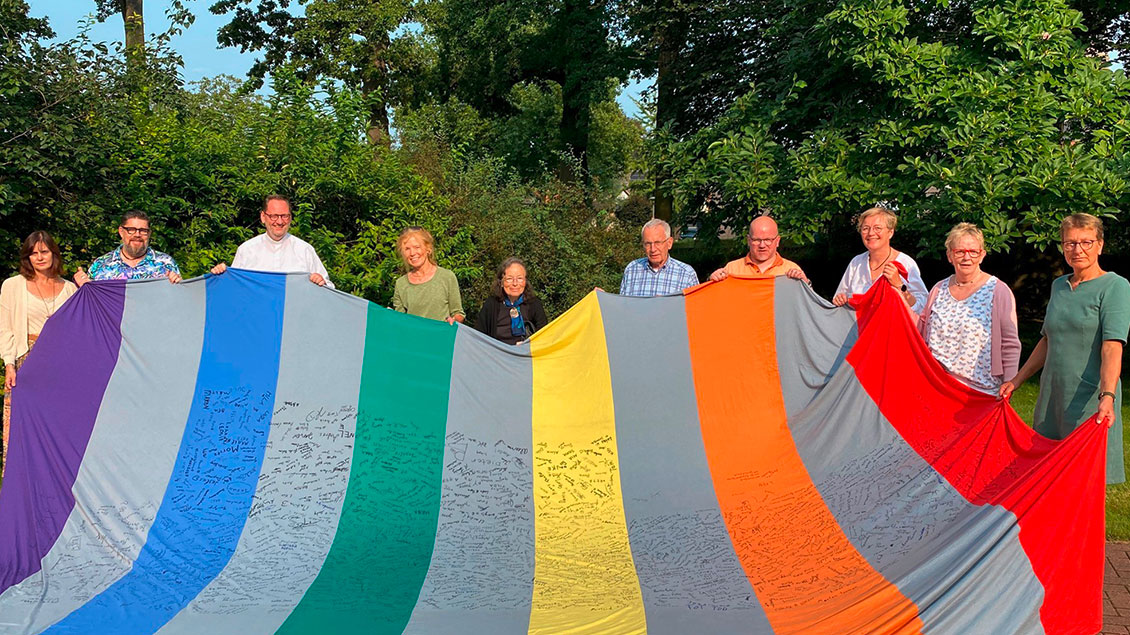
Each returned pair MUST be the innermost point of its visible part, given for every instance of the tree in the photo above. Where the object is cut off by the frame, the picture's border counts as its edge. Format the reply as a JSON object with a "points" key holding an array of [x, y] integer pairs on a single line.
{"points": [[1004, 119], [487, 48], [364, 43], [132, 19]]}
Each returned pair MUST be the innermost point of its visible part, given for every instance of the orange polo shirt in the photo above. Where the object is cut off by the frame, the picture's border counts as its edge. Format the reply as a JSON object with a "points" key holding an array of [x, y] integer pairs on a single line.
{"points": [[746, 267]]}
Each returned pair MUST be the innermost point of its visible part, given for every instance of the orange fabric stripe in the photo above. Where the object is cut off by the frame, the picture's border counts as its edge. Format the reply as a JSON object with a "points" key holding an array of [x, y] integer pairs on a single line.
{"points": [[807, 575]]}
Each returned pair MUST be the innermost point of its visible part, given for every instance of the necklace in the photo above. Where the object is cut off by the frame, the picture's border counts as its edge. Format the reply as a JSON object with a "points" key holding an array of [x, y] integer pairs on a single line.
{"points": [[964, 284], [50, 307], [890, 252]]}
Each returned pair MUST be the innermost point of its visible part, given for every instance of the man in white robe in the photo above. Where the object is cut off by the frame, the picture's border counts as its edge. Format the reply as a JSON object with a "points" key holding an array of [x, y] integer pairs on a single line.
{"points": [[277, 249]]}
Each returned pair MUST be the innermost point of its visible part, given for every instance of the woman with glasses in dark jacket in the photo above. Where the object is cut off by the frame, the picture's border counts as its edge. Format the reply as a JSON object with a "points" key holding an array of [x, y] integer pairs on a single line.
{"points": [[512, 313]]}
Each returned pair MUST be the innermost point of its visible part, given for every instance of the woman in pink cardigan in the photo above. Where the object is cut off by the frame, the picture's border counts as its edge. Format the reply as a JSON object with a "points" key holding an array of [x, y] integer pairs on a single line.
{"points": [[969, 321]]}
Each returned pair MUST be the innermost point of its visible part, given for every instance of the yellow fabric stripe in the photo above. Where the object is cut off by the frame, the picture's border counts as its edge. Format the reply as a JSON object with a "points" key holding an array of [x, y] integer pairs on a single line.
{"points": [[584, 578]]}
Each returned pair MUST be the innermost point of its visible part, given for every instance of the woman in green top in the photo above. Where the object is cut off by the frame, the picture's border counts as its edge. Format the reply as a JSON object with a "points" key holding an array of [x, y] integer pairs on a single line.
{"points": [[427, 290], [1084, 331]]}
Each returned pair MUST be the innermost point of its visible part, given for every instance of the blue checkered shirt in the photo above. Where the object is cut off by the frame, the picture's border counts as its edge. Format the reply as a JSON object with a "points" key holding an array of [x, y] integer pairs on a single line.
{"points": [[642, 281]]}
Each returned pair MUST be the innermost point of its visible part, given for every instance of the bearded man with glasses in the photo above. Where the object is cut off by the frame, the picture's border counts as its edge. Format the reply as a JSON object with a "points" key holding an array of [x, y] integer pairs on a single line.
{"points": [[276, 249], [134, 259]]}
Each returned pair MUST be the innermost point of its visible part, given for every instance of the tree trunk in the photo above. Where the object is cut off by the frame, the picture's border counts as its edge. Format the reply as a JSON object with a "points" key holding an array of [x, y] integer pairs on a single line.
{"points": [[135, 31], [375, 87], [670, 36], [575, 136]]}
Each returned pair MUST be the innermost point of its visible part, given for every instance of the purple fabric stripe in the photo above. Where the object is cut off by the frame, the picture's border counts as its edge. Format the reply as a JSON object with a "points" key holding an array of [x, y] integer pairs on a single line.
{"points": [[62, 382]]}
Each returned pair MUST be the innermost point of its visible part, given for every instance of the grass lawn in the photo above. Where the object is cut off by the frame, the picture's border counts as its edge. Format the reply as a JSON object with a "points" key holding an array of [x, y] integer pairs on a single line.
{"points": [[1117, 496]]}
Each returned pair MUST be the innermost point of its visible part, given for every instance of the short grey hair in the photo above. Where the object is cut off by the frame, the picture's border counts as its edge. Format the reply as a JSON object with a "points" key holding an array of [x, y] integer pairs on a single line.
{"points": [[657, 222]]}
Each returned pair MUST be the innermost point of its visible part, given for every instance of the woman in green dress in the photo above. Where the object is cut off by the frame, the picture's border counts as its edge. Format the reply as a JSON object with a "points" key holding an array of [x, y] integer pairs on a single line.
{"points": [[427, 290], [1084, 331]]}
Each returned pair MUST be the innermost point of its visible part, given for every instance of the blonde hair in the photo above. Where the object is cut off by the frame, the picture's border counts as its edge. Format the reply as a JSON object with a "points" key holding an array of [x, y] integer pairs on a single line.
{"points": [[425, 237], [962, 230], [889, 216], [1081, 220]]}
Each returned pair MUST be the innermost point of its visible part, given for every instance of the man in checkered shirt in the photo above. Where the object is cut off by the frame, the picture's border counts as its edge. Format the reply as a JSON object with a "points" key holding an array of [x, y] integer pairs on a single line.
{"points": [[657, 273]]}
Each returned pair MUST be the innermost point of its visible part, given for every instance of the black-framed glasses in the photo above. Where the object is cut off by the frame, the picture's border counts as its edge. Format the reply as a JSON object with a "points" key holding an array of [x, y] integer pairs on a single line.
{"points": [[1085, 245], [134, 231]]}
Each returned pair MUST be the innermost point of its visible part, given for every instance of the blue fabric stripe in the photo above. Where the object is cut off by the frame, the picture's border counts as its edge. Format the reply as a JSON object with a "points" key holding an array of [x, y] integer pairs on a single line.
{"points": [[213, 483]]}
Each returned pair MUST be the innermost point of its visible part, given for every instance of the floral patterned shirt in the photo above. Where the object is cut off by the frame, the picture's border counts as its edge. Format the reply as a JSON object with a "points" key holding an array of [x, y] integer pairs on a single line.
{"points": [[154, 265], [961, 336]]}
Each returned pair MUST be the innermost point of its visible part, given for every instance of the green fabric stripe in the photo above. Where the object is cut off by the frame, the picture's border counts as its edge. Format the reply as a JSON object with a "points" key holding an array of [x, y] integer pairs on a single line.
{"points": [[372, 576]]}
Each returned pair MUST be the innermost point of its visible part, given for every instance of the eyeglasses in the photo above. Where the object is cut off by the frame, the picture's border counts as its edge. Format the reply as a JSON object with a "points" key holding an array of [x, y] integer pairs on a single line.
{"points": [[1085, 245], [867, 229], [762, 241], [509, 280], [966, 253], [274, 218], [133, 231], [655, 243]]}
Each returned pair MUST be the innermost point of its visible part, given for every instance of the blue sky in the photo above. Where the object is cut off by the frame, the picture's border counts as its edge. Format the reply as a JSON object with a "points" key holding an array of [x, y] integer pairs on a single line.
{"points": [[197, 45]]}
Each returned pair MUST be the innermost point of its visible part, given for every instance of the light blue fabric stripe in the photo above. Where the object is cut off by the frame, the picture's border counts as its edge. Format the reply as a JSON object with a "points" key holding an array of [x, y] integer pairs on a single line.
{"points": [[961, 564], [305, 469], [128, 460], [481, 576], [214, 479], [690, 576]]}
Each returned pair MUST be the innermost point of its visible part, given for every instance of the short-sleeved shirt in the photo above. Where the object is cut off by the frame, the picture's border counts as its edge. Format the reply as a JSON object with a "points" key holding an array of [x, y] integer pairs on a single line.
{"points": [[641, 281], [436, 299], [153, 265], [857, 279], [747, 267], [1076, 324]]}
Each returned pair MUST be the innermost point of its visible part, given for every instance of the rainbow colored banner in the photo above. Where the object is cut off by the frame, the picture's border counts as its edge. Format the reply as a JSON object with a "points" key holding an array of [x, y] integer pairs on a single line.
{"points": [[251, 453]]}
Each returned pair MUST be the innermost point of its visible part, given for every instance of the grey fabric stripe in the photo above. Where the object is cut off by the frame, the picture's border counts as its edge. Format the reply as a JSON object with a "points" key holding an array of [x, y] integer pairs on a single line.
{"points": [[482, 569], [815, 335], [305, 468], [128, 460], [691, 578], [961, 564]]}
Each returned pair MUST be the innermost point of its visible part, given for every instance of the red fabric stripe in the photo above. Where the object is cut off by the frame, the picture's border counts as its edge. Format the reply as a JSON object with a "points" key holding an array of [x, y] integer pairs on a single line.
{"points": [[979, 445]]}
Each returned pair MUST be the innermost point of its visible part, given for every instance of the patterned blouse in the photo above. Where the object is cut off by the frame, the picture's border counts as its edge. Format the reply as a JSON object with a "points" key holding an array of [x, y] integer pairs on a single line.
{"points": [[960, 335], [154, 265]]}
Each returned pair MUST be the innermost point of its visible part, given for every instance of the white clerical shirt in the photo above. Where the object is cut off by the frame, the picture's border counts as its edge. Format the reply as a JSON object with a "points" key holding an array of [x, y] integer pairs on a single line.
{"points": [[287, 255]]}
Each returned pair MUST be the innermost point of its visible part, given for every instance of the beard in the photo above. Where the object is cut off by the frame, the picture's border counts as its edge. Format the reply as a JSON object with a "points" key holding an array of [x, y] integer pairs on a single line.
{"points": [[133, 252]]}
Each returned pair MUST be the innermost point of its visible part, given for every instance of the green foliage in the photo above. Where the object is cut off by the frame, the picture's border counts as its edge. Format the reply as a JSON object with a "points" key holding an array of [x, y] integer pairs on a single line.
{"points": [[568, 246], [529, 139], [351, 41], [91, 141], [528, 58], [1009, 123]]}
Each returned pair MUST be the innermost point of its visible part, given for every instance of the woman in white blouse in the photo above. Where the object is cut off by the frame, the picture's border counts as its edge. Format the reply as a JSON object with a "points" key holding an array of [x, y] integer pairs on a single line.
{"points": [[876, 227], [26, 301]]}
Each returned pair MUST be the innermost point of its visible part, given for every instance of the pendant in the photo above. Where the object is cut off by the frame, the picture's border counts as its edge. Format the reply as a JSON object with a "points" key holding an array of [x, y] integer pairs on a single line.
{"points": [[513, 312]]}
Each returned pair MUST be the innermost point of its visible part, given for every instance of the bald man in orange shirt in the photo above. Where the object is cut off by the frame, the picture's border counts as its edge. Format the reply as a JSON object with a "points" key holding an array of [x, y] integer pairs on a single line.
{"points": [[762, 259]]}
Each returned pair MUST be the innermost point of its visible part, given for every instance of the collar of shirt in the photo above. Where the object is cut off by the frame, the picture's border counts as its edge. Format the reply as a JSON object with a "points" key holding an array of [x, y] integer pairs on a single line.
{"points": [[777, 262], [647, 263]]}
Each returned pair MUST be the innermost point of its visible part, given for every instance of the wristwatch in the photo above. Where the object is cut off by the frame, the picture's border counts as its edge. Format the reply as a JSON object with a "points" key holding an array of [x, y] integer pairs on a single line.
{"points": [[1105, 393], [903, 288]]}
